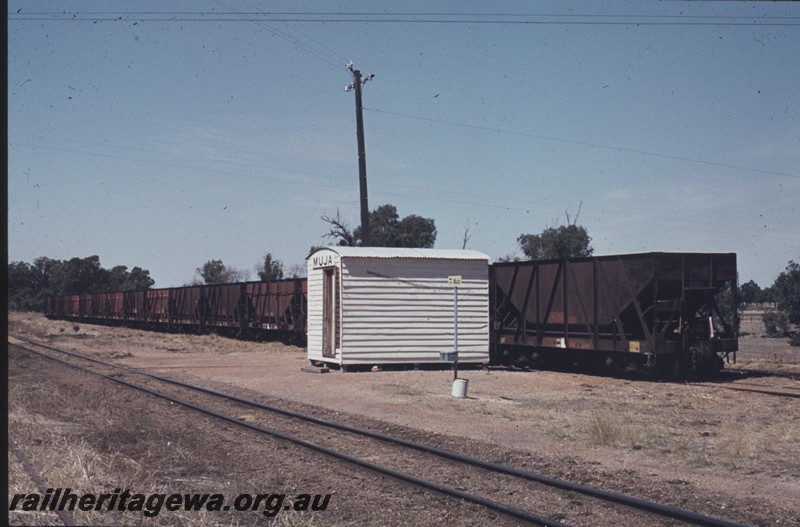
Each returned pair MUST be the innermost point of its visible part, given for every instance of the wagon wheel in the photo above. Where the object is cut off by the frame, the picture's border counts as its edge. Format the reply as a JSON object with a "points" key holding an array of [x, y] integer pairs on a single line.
{"points": [[669, 367]]}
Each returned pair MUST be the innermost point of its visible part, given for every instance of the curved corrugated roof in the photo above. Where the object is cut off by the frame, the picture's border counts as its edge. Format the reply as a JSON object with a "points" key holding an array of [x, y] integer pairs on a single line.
{"points": [[403, 252]]}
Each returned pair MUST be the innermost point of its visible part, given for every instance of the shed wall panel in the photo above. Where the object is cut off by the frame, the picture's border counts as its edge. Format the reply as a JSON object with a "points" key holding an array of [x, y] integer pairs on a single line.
{"points": [[401, 310]]}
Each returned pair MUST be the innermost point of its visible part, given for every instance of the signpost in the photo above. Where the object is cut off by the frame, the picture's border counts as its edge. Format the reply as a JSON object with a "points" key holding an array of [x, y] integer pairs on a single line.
{"points": [[454, 281], [459, 385]]}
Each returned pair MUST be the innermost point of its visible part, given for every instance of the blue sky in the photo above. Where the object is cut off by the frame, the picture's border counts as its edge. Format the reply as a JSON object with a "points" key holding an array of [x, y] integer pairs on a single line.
{"points": [[167, 140]]}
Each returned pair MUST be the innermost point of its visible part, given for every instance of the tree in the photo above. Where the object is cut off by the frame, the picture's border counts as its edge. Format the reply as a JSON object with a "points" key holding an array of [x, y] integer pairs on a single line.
{"points": [[339, 230], [80, 275], [776, 323], [23, 287], [466, 237], [213, 272], [271, 270], [43, 269], [297, 271], [233, 274], [30, 284], [138, 279], [216, 272], [565, 241], [768, 295], [511, 257], [120, 279], [750, 293], [787, 292], [117, 277], [416, 231], [386, 229]]}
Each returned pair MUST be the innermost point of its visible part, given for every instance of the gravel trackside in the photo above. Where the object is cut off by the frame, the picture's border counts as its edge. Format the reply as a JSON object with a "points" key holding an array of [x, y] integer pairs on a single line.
{"points": [[715, 451]]}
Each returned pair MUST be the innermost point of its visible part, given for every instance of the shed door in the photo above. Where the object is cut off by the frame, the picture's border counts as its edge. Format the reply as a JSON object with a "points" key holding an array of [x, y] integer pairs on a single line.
{"points": [[330, 322]]}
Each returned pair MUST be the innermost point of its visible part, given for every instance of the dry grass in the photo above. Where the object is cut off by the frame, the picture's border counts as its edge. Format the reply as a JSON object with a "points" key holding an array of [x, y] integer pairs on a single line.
{"points": [[119, 342], [62, 458], [20, 482], [405, 390], [698, 430], [696, 426], [68, 454], [603, 429]]}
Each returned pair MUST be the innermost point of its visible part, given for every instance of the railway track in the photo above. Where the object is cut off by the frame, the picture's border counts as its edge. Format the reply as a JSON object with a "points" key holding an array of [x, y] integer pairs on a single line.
{"points": [[295, 427], [746, 373], [65, 516], [780, 387], [739, 388]]}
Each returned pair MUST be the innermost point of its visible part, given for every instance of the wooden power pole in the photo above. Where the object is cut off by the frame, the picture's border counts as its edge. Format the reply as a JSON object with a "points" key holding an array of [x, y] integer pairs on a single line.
{"points": [[358, 81]]}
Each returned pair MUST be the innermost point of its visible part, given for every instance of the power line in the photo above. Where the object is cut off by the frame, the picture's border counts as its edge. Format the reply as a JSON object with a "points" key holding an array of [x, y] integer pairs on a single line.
{"points": [[398, 14], [412, 18], [294, 41], [206, 169], [336, 54], [772, 233], [323, 181], [585, 143], [425, 193]]}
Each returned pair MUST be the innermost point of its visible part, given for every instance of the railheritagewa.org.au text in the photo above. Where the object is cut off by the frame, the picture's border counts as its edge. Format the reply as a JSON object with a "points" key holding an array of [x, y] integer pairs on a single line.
{"points": [[153, 504]]}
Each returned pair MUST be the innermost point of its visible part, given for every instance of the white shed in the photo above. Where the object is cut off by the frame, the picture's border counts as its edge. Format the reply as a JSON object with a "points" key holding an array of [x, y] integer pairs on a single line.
{"points": [[381, 305]]}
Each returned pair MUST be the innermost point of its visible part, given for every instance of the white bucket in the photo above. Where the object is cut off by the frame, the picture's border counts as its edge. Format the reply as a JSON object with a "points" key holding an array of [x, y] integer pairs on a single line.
{"points": [[460, 388]]}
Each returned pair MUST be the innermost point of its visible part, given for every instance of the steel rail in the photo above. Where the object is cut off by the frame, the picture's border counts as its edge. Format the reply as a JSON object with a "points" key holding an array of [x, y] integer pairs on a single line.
{"points": [[768, 386], [65, 516], [587, 490], [744, 373], [751, 390], [496, 506]]}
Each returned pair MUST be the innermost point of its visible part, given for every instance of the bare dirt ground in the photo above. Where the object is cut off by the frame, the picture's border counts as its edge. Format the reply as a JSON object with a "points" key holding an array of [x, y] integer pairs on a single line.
{"points": [[720, 452]]}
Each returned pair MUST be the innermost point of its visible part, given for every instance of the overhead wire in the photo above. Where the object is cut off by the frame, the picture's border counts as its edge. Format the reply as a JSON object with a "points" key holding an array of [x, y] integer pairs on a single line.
{"points": [[415, 18], [583, 143], [520, 203], [309, 37], [321, 55], [318, 181], [330, 56], [292, 181]]}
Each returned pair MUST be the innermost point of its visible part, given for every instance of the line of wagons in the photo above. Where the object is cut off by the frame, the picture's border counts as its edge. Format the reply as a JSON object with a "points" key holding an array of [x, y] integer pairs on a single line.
{"points": [[274, 310], [662, 312]]}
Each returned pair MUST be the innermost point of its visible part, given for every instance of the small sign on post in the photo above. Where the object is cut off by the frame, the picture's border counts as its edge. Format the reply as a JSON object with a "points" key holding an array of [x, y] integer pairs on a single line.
{"points": [[448, 356], [459, 385], [454, 280]]}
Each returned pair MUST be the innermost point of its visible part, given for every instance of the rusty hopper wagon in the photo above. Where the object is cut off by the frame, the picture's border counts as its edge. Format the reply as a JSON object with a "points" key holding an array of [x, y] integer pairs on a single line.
{"points": [[665, 312], [258, 310]]}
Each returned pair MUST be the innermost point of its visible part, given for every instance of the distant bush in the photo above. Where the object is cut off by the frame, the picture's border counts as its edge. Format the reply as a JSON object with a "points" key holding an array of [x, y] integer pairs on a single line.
{"points": [[776, 323], [784, 295]]}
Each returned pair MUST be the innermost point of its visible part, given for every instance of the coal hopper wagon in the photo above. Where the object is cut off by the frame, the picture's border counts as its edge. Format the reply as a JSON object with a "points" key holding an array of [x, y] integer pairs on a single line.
{"points": [[256, 310], [653, 312]]}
